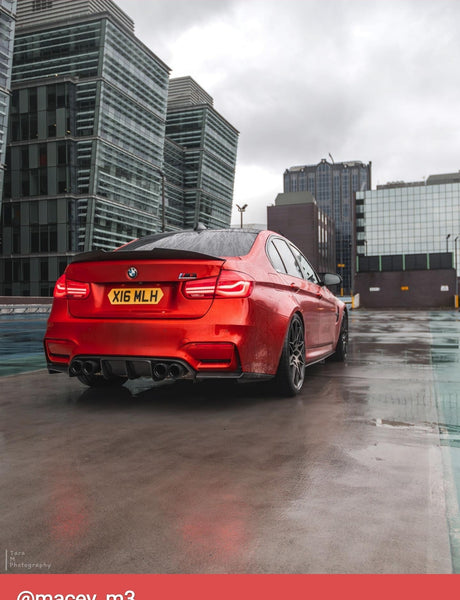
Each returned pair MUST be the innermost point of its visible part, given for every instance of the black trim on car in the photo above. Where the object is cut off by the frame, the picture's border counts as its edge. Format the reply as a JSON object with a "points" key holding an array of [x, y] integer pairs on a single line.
{"points": [[134, 255]]}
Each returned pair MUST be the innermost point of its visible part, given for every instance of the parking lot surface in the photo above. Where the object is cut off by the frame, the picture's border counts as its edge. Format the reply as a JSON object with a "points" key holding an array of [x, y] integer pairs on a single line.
{"points": [[21, 342], [357, 474]]}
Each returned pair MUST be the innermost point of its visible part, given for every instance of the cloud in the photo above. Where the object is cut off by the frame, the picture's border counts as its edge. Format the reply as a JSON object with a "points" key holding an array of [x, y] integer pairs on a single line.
{"points": [[159, 22], [257, 187], [373, 80]]}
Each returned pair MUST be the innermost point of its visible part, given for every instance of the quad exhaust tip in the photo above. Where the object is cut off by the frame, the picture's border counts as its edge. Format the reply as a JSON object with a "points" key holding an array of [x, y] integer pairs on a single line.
{"points": [[90, 367], [84, 367], [76, 367], [175, 371], [162, 371], [159, 370]]}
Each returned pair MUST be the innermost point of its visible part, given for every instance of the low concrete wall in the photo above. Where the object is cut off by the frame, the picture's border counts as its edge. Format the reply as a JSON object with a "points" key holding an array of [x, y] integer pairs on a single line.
{"points": [[407, 289], [12, 305], [25, 300]]}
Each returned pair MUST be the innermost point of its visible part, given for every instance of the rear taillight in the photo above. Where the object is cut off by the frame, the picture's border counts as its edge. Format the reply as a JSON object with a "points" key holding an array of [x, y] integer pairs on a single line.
{"points": [[200, 288], [229, 284], [234, 285], [71, 290]]}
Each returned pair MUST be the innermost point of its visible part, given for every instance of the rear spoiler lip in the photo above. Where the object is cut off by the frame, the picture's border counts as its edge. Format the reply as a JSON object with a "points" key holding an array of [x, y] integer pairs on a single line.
{"points": [[135, 255]]}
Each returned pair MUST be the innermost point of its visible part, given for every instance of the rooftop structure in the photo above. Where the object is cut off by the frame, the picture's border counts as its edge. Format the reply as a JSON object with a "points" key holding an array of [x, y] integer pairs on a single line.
{"points": [[33, 13], [184, 91]]}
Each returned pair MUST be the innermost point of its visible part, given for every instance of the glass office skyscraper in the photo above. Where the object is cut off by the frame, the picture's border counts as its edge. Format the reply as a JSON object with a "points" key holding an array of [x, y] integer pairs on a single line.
{"points": [[7, 22], [410, 218], [334, 186], [206, 145], [86, 139]]}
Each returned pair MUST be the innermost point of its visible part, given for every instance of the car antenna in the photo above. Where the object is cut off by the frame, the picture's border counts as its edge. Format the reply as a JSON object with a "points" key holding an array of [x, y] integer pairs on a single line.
{"points": [[199, 227]]}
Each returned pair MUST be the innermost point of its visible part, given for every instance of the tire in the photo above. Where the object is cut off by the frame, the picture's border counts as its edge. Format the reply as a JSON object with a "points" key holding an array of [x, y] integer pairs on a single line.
{"points": [[291, 369], [341, 349], [100, 381]]}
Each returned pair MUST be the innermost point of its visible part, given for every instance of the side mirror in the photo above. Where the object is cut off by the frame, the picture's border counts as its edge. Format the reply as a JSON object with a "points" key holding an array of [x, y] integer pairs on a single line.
{"points": [[330, 279]]}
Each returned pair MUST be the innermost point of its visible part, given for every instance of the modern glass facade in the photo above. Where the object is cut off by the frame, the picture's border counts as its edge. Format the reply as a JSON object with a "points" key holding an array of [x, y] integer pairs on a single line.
{"points": [[209, 145], [334, 186], [7, 25], [174, 171], [86, 140], [409, 219]]}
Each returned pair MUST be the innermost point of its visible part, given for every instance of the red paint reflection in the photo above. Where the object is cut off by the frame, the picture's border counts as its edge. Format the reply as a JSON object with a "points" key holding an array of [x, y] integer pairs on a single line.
{"points": [[69, 509], [216, 525]]}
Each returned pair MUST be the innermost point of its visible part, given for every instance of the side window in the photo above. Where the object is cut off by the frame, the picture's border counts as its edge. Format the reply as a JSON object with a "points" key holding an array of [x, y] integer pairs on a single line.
{"points": [[290, 263], [306, 268], [275, 258]]}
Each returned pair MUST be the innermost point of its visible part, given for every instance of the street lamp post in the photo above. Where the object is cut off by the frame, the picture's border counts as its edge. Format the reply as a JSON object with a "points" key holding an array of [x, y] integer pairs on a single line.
{"points": [[241, 210], [447, 242]]}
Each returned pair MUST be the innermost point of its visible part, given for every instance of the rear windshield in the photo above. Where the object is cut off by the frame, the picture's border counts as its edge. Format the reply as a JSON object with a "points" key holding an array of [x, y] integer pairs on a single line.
{"points": [[215, 242]]}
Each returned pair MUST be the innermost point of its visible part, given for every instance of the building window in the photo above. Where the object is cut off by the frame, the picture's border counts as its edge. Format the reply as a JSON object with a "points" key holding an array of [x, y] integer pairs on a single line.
{"points": [[42, 4]]}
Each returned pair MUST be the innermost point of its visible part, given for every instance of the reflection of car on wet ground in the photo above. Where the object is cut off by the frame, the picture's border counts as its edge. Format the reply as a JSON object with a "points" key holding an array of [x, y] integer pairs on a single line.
{"points": [[195, 304]]}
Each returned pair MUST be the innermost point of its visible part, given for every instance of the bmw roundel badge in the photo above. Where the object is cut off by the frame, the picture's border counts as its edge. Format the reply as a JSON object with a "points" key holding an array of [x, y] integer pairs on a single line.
{"points": [[132, 272]]}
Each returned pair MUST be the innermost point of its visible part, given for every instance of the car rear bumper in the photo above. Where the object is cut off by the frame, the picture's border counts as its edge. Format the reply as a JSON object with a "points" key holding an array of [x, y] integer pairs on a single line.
{"points": [[157, 369], [189, 349], [188, 361]]}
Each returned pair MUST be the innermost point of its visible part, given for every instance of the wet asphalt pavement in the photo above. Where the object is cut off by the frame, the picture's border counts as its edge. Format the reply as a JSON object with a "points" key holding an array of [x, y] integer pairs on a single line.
{"points": [[358, 474]]}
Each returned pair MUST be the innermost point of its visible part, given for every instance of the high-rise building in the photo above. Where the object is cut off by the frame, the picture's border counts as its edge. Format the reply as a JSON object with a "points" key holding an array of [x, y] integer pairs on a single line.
{"points": [[410, 219], [86, 139], [205, 144], [7, 23], [334, 186], [89, 166]]}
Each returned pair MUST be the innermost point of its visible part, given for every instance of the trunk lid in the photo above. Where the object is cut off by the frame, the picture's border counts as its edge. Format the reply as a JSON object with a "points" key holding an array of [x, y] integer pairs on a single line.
{"points": [[141, 284]]}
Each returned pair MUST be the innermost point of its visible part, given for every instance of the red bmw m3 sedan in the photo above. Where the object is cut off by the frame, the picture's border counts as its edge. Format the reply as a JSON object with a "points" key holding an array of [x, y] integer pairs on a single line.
{"points": [[198, 304]]}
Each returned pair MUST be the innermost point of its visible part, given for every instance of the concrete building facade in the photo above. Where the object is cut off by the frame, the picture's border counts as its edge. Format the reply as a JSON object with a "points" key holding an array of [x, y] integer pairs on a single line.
{"points": [[297, 216]]}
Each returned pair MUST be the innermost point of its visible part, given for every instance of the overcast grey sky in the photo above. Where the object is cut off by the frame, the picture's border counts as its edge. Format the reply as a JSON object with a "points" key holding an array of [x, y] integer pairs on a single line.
{"points": [[369, 80]]}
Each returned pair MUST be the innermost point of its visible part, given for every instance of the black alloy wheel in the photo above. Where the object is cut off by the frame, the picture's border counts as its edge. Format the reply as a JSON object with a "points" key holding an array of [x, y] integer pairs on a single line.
{"points": [[291, 369], [341, 349]]}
